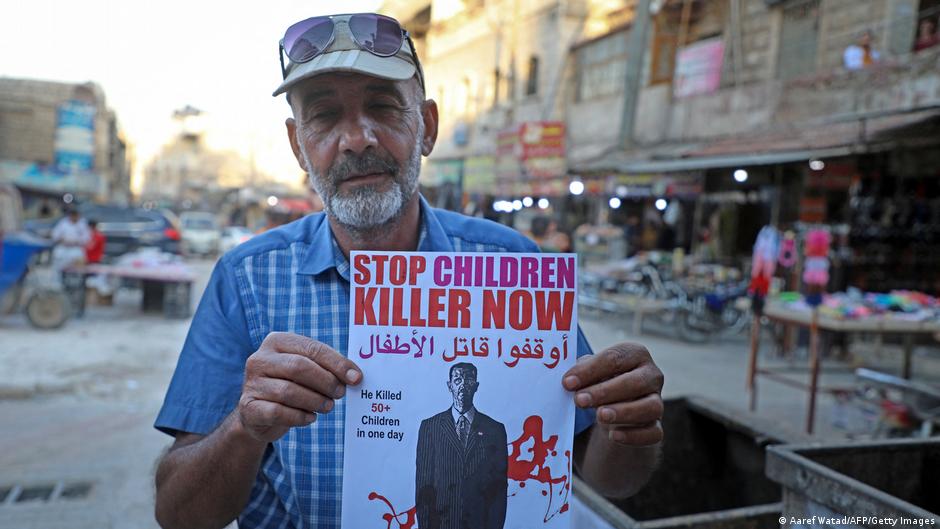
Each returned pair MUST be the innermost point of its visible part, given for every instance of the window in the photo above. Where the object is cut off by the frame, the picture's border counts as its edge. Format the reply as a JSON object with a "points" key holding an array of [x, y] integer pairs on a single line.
{"points": [[665, 40], [799, 33], [927, 33], [532, 80], [601, 66]]}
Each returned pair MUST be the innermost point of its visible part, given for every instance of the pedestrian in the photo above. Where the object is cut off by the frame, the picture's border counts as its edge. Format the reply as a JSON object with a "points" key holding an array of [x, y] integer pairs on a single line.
{"points": [[94, 250], [862, 54], [928, 35], [70, 236], [544, 232], [253, 402]]}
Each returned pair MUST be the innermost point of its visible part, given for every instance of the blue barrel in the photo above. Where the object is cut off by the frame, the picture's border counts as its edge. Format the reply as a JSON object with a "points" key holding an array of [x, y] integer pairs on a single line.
{"points": [[16, 251]]}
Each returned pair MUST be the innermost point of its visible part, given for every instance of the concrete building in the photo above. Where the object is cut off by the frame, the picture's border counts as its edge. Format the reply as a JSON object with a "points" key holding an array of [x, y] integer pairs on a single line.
{"points": [[58, 138]]}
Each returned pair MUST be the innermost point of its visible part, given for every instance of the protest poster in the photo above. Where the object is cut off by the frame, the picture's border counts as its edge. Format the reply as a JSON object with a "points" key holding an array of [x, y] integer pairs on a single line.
{"points": [[461, 419]]}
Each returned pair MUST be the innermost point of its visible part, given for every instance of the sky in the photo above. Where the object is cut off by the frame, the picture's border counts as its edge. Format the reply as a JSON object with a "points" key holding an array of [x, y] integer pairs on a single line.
{"points": [[152, 58]]}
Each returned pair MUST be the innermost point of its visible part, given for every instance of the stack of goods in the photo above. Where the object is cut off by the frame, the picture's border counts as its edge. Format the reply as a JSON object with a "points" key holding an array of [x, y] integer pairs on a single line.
{"points": [[854, 305]]}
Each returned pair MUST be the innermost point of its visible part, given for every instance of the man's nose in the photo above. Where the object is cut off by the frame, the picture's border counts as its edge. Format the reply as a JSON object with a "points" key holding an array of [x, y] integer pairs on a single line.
{"points": [[357, 135]]}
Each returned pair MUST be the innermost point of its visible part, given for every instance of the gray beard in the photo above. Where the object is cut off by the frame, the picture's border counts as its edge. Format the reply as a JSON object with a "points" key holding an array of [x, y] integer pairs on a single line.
{"points": [[367, 210]]}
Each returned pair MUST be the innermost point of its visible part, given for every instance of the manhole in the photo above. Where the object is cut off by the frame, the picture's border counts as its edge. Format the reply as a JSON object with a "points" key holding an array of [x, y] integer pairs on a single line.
{"points": [[45, 493], [36, 493], [75, 491]]}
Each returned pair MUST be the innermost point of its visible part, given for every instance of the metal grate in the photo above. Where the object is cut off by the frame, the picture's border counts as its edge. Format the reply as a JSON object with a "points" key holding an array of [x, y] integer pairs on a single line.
{"points": [[76, 491], [45, 493], [39, 493]]}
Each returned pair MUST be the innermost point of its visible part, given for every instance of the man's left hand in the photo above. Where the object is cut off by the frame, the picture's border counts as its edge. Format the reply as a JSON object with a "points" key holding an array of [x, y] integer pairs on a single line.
{"points": [[624, 385]]}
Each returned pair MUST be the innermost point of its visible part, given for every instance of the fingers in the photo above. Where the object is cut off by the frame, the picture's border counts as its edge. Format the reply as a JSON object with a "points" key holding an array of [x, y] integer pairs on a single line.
{"points": [[614, 360], [295, 368], [644, 380], [644, 435], [323, 355], [263, 414], [643, 411], [289, 394]]}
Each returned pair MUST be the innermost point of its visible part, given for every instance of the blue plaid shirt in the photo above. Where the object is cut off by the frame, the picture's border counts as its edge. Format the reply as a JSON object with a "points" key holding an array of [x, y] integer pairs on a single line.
{"points": [[296, 279]]}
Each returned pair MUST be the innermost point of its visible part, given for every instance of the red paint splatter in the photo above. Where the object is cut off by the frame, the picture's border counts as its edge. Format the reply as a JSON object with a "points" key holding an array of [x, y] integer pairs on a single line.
{"points": [[410, 515], [519, 470], [522, 470]]}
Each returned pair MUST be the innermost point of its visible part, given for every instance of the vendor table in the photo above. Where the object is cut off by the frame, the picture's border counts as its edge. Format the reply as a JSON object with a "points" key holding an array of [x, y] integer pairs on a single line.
{"points": [[880, 325], [166, 288]]}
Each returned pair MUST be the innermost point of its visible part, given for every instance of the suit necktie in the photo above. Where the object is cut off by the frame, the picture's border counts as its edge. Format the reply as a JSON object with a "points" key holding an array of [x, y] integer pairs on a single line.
{"points": [[463, 429]]}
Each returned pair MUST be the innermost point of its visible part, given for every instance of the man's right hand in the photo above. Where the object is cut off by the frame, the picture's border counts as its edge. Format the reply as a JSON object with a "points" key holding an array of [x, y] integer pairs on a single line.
{"points": [[288, 381]]}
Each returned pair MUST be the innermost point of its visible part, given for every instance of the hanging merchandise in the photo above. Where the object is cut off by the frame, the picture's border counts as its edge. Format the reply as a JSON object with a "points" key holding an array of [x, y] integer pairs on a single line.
{"points": [[763, 265], [787, 257], [816, 265]]}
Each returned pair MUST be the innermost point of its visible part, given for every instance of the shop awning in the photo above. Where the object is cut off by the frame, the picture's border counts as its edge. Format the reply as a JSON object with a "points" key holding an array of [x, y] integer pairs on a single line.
{"points": [[794, 144]]}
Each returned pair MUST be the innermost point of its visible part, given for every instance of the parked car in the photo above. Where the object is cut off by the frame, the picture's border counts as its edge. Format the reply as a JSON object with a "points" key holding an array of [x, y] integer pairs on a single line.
{"points": [[126, 229], [200, 232], [232, 236]]}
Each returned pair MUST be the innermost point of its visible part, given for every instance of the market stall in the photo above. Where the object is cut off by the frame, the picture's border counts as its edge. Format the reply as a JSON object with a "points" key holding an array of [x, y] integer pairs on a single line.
{"points": [[901, 313]]}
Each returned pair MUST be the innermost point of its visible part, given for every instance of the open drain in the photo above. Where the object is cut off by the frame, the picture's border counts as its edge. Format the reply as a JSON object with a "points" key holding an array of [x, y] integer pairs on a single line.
{"points": [[44, 493]]}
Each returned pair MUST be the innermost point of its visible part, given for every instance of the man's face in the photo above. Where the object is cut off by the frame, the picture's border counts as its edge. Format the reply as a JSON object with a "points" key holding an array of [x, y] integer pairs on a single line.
{"points": [[463, 385], [360, 139]]}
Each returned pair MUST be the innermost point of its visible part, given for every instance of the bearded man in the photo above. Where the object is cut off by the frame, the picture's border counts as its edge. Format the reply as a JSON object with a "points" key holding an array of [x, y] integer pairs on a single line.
{"points": [[254, 402]]}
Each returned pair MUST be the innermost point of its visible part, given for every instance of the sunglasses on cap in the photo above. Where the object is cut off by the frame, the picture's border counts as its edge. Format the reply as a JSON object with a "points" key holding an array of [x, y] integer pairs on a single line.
{"points": [[377, 34]]}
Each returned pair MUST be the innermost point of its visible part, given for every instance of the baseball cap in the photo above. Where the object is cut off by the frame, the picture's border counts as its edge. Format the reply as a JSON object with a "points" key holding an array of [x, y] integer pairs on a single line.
{"points": [[345, 55]]}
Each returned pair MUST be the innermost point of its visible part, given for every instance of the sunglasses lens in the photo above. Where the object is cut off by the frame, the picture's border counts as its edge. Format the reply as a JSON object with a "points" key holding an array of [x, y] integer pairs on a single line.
{"points": [[378, 34], [308, 38]]}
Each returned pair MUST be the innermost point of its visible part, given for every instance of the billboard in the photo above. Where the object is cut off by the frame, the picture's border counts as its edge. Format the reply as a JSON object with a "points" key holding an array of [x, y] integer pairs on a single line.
{"points": [[698, 68], [75, 137]]}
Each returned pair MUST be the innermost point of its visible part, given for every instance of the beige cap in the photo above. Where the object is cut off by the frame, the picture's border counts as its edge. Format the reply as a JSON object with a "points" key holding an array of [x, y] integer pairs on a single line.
{"points": [[344, 55]]}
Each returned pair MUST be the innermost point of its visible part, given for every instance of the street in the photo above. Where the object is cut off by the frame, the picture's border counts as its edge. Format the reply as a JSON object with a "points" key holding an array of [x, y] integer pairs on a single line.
{"points": [[77, 405]]}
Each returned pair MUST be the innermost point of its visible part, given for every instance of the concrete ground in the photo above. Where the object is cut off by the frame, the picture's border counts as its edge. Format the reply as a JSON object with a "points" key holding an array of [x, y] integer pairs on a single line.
{"points": [[77, 405]]}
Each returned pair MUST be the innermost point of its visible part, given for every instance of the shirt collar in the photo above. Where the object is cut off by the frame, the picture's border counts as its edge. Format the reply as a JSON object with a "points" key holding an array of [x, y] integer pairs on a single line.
{"points": [[324, 253], [470, 414]]}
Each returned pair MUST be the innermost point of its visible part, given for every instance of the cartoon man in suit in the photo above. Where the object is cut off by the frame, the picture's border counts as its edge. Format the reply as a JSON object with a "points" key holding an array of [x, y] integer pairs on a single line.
{"points": [[460, 478]]}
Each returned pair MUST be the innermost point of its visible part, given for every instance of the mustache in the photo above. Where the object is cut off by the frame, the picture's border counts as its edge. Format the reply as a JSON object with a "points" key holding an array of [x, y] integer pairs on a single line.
{"points": [[353, 165]]}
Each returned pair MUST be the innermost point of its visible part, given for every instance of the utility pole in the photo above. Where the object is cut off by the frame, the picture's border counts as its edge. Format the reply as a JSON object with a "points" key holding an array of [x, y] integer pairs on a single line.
{"points": [[636, 51]]}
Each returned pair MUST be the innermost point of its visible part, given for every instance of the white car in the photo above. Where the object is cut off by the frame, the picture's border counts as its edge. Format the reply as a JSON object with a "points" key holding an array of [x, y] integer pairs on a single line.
{"points": [[200, 233], [232, 236]]}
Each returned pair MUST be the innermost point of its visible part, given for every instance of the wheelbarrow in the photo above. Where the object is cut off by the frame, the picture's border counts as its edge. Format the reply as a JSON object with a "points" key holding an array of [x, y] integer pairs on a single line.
{"points": [[23, 285]]}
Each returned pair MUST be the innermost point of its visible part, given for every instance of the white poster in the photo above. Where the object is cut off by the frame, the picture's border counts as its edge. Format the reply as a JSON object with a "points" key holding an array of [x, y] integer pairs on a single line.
{"points": [[461, 419]]}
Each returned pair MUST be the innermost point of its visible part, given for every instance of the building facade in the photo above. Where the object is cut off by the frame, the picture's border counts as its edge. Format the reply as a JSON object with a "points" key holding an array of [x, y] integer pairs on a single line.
{"points": [[58, 138]]}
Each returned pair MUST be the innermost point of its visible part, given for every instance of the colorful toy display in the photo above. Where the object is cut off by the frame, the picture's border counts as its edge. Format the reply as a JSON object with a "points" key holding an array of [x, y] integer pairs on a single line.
{"points": [[763, 265], [816, 265]]}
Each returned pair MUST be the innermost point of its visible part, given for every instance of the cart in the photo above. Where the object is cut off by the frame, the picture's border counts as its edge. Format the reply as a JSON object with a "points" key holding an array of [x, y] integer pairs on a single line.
{"points": [[23, 284]]}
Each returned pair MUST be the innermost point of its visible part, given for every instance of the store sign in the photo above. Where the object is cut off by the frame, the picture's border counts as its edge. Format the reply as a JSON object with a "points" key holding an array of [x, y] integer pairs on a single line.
{"points": [[681, 185], [532, 150], [438, 172], [75, 137], [543, 149], [812, 209], [50, 178], [698, 68], [479, 174]]}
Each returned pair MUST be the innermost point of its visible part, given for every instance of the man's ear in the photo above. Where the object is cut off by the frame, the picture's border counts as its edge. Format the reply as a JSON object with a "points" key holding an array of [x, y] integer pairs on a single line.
{"points": [[294, 144], [429, 115]]}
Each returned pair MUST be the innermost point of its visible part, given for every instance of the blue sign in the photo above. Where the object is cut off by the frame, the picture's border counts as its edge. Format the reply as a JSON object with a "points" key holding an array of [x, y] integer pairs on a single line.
{"points": [[75, 137]]}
